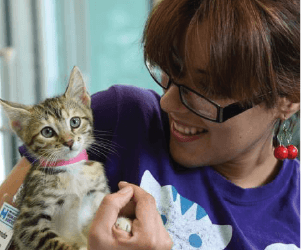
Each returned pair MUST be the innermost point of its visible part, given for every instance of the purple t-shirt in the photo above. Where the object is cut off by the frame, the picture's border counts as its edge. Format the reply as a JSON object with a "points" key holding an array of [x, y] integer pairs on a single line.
{"points": [[199, 207]]}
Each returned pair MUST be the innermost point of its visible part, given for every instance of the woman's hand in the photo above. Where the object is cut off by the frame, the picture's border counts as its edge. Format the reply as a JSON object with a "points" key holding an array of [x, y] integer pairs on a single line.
{"points": [[148, 231]]}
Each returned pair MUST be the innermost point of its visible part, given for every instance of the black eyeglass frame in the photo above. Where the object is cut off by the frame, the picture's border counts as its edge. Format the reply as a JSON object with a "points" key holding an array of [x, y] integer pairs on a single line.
{"points": [[223, 113]]}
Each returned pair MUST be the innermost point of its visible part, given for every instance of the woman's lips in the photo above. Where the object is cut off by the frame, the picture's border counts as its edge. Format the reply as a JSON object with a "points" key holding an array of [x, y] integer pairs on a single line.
{"points": [[183, 133]]}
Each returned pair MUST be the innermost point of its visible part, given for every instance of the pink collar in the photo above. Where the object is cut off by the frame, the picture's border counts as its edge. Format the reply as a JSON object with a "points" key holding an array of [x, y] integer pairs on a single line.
{"points": [[80, 157]]}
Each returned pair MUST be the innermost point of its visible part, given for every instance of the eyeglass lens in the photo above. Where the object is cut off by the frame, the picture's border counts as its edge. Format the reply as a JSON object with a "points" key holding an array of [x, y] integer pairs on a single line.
{"points": [[190, 99], [198, 104]]}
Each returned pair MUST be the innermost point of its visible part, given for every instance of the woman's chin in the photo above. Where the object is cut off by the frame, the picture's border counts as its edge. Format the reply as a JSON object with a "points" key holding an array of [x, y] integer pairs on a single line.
{"points": [[188, 160]]}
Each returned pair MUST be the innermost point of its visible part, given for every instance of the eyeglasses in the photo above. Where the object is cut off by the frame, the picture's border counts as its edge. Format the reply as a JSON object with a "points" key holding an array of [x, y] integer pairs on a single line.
{"points": [[197, 103]]}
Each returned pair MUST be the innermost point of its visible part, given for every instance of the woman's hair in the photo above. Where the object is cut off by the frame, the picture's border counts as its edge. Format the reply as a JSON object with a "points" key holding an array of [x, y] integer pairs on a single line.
{"points": [[254, 45]]}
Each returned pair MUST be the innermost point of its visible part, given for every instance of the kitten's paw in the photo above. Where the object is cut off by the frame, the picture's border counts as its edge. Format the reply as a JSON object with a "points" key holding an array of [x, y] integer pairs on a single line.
{"points": [[124, 223], [83, 248]]}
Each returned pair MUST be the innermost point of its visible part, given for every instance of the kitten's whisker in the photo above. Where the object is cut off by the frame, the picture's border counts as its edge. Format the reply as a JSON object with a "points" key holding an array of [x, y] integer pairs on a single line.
{"points": [[103, 132], [105, 141], [52, 158], [106, 146], [102, 146], [104, 151], [97, 152], [42, 187], [108, 141], [100, 154], [52, 169]]}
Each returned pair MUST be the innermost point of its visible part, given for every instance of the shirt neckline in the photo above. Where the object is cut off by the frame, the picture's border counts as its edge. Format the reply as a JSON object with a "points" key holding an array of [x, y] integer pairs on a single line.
{"points": [[239, 195]]}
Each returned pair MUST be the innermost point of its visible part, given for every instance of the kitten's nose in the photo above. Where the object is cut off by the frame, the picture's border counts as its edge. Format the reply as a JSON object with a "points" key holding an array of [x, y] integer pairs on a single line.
{"points": [[69, 143]]}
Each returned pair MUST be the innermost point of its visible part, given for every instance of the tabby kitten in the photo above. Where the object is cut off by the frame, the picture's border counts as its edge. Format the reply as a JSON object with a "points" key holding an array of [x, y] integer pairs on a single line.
{"points": [[63, 189]]}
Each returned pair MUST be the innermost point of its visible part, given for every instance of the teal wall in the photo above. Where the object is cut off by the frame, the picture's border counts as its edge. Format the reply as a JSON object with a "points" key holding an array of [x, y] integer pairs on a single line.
{"points": [[116, 28]]}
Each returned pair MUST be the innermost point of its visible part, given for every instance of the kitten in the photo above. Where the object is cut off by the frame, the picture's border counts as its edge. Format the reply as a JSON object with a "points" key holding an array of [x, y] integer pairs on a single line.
{"points": [[58, 202]]}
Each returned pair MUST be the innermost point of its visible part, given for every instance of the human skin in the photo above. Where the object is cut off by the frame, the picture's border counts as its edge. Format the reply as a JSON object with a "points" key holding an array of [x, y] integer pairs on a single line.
{"points": [[14, 180], [240, 148], [148, 231]]}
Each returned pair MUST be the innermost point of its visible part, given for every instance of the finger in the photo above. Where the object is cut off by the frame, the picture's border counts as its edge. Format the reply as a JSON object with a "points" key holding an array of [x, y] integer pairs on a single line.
{"points": [[146, 208], [139, 193], [109, 209], [129, 210], [120, 234]]}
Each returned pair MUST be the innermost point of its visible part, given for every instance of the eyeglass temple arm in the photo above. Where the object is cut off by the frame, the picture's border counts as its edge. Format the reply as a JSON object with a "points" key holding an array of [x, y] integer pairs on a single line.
{"points": [[231, 111]]}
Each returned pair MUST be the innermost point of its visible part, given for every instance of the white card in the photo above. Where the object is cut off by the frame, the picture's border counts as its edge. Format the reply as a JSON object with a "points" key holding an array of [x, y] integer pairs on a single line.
{"points": [[8, 215]]}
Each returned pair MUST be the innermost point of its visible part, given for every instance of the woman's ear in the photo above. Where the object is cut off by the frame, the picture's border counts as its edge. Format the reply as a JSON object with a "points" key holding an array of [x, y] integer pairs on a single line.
{"points": [[287, 108]]}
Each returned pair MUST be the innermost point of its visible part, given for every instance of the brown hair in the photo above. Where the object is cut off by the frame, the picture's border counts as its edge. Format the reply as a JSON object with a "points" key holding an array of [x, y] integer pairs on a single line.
{"points": [[254, 45]]}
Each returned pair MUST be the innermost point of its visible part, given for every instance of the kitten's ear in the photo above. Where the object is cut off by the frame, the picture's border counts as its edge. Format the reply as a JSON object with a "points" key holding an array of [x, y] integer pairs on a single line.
{"points": [[77, 88], [17, 113]]}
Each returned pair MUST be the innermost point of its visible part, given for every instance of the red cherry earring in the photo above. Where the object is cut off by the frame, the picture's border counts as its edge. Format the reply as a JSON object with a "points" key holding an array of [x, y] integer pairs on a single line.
{"points": [[281, 152], [292, 152]]}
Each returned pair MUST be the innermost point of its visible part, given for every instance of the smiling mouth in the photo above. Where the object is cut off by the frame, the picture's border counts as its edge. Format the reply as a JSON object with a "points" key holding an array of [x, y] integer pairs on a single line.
{"points": [[187, 131], [183, 137]]}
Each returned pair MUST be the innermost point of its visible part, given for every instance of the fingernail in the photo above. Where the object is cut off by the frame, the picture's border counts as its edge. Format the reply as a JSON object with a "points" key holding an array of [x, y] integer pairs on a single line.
{"points": [[124, 190], [123, 182]]}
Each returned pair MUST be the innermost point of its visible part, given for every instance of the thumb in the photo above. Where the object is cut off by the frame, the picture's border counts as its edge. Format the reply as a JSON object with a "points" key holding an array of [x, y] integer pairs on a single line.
{"points": [[109, 209], [125, 190]]}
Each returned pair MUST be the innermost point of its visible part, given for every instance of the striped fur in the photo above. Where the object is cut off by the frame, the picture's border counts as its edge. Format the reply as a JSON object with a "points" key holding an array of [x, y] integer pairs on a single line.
{"points": [[57, 204], [58, 207]]}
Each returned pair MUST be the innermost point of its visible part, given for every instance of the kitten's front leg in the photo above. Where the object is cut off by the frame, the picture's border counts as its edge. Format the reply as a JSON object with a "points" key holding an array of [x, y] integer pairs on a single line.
{"points": [[36, 227], [94, 172], [67, 220], [33, 231]]}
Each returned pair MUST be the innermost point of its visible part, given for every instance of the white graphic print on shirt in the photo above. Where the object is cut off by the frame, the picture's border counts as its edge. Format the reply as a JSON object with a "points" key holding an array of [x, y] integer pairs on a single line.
{"points": [[280, 246], [187, 223]]}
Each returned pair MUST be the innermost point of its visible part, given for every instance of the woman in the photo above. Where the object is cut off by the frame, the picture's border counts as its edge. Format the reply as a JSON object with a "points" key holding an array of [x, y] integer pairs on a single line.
{"points": [[204, 150]]}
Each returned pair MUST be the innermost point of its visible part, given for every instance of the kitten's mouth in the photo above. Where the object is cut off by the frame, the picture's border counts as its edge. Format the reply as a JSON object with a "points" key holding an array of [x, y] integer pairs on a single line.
{"points": [[69, 154], [72, 151]]}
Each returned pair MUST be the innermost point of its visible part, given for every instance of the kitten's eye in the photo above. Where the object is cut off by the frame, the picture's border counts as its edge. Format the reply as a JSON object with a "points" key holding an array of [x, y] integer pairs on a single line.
{"points": [[75, 122], [47, 132]]}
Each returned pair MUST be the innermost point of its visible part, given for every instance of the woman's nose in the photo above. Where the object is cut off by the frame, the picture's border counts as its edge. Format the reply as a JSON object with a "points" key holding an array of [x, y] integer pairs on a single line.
{"points": [[171, 101]]}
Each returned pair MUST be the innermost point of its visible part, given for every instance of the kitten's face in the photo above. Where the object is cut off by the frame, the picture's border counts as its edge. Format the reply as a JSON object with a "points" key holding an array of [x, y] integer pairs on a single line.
{"points": [[58, 128]]}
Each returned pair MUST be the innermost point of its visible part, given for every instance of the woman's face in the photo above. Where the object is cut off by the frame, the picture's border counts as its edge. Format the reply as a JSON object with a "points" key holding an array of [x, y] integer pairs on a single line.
{"points": [[246, 135]]}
